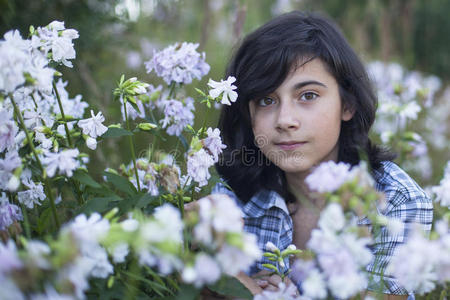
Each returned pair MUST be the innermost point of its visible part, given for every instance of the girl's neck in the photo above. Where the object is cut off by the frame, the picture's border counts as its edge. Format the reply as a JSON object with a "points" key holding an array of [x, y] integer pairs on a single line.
{"points": [[298, 187]]}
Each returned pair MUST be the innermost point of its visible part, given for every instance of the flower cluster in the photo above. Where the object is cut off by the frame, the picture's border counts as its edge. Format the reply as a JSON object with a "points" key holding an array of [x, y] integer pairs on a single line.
{"points": [[89, 247], [179, 63], [203, 154], [177, 115], [341, 257], [423, 271], [220, 229], [442, 191]]}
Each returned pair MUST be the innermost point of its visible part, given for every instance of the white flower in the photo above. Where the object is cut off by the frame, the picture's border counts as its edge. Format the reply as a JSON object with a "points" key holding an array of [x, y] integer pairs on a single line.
{"points": [[37, 251], [271, 247], [332, 218], [129, 225], [198, 164], [226, 87], [65, 161], [167, 226], [329, 176], [93, 126], [91, 143], [119, 252], [214, 143], [284, 292], [207, 270], [314, 286], [89, 229]]}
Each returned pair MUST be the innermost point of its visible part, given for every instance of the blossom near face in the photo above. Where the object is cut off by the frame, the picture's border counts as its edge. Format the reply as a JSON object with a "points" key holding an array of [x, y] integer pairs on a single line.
{"points": [[298, 125]]}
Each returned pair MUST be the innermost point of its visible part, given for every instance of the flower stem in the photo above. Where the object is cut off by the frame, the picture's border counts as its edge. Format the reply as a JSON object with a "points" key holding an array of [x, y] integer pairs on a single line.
{"points": [[30, 142], [26, 223], [69, 140], [130, 141]]}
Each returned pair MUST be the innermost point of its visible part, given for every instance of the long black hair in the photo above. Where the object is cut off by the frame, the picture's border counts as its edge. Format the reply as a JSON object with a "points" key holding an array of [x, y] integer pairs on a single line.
{"points": [[260, 65]]}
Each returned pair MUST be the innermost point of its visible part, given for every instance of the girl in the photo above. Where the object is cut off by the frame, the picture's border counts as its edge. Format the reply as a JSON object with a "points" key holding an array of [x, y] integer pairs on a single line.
{"points": [[305, 98]]}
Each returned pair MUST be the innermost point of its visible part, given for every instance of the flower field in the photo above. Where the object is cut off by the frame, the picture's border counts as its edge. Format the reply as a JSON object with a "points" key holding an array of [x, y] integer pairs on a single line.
{"points": [[150, 227]]}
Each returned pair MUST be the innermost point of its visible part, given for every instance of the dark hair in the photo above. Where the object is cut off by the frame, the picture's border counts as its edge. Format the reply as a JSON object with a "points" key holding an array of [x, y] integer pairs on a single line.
{"points": [[260, 65]]}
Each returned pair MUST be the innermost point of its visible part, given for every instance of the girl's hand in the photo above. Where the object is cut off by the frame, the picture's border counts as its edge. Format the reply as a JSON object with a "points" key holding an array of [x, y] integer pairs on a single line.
{"points": [[269, 282]]}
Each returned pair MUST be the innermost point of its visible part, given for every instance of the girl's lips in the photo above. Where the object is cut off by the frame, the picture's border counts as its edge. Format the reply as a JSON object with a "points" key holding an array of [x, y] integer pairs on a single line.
{"points": [[290, 146]]}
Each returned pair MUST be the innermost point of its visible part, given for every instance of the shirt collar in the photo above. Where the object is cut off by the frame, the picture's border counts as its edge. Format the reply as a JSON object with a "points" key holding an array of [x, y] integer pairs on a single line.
{"points": [[263, 201]]}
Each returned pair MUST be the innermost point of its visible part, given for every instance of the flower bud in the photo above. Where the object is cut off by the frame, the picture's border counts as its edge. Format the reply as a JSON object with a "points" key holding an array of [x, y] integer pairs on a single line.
{"points": [[147, 126], [91, 143]]}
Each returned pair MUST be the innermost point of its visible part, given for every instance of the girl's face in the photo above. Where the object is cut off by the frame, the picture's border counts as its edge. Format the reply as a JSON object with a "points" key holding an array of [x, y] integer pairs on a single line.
{"points": [[297, 126]]}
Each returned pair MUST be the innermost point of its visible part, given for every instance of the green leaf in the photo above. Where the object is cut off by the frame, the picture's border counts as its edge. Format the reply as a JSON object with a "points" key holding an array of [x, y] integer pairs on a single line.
{"points": [[99, 204], [43, 221], [158, 288], [145, 200], [116, 132], [200, 92], [230, 286], [121, 183], [270, 266], [85, 178]]}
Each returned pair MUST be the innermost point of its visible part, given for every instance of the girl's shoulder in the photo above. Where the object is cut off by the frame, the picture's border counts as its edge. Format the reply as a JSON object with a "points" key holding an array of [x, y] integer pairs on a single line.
{"points": [[399, 187]]}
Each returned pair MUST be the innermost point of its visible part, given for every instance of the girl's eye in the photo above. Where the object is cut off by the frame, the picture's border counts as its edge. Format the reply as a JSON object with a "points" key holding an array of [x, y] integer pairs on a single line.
{"points": [[308, 96], [266, 101]]}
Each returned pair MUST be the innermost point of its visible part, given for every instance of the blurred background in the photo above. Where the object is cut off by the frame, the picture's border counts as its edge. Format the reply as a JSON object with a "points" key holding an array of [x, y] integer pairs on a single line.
{"points": [[118, 36]]}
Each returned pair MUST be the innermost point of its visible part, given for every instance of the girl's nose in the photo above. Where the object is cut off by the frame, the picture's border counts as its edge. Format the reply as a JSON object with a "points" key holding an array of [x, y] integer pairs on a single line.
{"points": [[287, 118]]}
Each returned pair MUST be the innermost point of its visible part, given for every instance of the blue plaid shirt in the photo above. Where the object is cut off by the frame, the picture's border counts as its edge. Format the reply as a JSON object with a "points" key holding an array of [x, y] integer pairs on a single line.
{"points": [[266, 215]]}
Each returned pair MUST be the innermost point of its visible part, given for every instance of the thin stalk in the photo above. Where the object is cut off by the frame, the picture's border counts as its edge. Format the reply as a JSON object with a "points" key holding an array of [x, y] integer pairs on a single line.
{"points": [[46, 181], [130, 141], [26, 223], [69, 140]]}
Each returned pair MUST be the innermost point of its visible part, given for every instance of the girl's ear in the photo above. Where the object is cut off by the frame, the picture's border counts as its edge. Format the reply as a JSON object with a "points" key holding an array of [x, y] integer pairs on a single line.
{"points": [[347, 113]]}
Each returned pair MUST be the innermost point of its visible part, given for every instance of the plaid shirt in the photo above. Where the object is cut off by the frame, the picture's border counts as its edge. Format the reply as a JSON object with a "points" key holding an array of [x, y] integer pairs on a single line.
{"points": [[266, 215]]}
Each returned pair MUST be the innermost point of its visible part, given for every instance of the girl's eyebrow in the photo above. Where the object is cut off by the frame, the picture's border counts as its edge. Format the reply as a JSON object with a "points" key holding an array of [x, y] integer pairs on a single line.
{"points": [[299, 85]]}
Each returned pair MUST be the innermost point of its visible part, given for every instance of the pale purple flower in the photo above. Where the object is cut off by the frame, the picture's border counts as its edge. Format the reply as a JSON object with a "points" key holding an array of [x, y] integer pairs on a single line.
{"points": [[285, 292], [65, 161], [8, 131], [34, 195], [51, 294], [329, 176], [224, 88], [93, 126], [442, 191], [178, 63], [419, 274], [214, 143], [198, 165], [177, 115], [8, 165], [9, 259]]}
